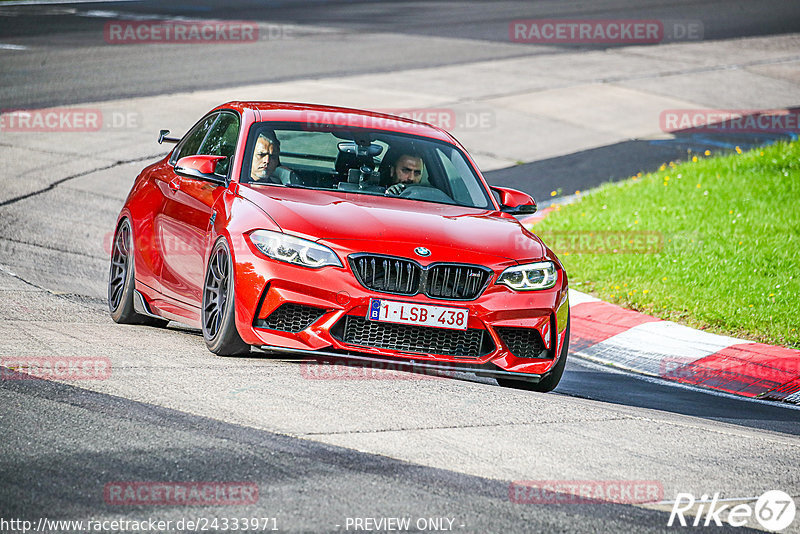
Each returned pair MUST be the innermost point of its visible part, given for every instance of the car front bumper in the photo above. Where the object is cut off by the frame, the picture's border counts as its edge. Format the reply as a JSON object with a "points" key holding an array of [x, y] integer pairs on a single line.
{"points": [[323, 312]]}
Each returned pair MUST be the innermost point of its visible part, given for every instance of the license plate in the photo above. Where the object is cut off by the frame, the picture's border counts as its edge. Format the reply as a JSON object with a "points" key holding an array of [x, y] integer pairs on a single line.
{"points": [[391, 311]]}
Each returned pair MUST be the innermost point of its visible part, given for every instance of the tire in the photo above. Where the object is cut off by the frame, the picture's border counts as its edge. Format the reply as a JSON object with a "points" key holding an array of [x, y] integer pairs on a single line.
{"points": [[121, 281], [217, 314], [551, 380]]}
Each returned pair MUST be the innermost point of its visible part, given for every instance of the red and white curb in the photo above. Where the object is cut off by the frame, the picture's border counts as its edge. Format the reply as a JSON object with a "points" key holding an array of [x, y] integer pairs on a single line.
{"points": [[612, 335]]}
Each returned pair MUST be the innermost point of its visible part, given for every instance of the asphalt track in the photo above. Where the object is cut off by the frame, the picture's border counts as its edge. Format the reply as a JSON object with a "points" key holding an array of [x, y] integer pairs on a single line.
{"points": [[307, 486], [323, 451], [68, 61]]}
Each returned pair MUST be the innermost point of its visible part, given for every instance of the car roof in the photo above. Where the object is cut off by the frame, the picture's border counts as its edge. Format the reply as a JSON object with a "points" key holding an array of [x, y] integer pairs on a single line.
{"points": [[337, 116]]}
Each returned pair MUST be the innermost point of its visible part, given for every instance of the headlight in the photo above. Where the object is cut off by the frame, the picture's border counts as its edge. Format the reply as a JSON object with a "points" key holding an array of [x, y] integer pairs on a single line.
{"points": [[283, 247], [530, 277]]}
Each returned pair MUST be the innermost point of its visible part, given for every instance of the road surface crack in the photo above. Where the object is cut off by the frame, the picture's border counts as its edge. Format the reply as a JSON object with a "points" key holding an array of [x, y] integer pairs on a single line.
{"points": [[55, 184], [74, 298], [54, 249], [456, 427]]}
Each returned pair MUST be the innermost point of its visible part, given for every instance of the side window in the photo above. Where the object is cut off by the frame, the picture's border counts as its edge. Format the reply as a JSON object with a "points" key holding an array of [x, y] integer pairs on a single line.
{"points": [[192, 144], [465, 190], [221, 141]]}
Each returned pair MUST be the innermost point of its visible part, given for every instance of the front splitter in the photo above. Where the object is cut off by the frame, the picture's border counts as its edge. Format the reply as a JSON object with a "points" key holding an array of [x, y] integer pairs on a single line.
{"points": [[411, 365]]}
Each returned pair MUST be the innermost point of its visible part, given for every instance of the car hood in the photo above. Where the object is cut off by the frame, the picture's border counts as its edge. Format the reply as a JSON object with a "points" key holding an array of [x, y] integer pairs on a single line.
{"points": [[368, 223]]}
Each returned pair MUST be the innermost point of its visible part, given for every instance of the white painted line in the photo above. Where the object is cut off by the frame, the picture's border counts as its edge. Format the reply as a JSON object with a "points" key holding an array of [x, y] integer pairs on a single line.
{"points": [[57, 2], [701, 501], [97, 13], [118, 16], [4, 46]]}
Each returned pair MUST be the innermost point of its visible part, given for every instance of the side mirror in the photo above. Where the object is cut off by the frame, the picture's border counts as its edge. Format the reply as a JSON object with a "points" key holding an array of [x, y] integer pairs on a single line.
{"points": [[200, 167], [514, 202], [162, 136]]}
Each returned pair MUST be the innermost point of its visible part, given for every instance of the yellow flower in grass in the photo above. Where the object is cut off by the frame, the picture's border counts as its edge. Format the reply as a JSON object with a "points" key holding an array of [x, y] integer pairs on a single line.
{"points": [[707, 152], [738, 150], [694, 159], [553, 193]]}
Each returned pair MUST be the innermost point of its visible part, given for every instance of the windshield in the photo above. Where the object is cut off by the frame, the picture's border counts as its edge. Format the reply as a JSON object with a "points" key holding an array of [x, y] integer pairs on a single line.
{"points": [[370, 162]]}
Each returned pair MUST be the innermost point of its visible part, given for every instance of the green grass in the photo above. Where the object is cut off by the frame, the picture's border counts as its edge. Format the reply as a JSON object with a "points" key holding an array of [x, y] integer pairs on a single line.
{"points": [[729, 257]]}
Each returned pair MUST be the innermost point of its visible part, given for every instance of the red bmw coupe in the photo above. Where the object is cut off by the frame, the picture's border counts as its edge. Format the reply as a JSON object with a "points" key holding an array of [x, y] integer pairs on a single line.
{"points": [[337, 232]]}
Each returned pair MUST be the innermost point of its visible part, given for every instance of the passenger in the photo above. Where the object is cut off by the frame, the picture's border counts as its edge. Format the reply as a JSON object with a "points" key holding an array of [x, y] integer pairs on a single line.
{"points": [[266, 165], [406, 170]]}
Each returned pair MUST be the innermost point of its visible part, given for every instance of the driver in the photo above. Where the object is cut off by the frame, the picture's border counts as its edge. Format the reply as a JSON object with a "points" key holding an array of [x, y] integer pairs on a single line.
{"points": [[407, 170], [266, 159]]}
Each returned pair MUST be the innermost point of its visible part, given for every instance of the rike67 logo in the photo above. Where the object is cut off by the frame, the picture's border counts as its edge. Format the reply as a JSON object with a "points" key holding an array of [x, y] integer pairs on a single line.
{"points": [[774, 511]]}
